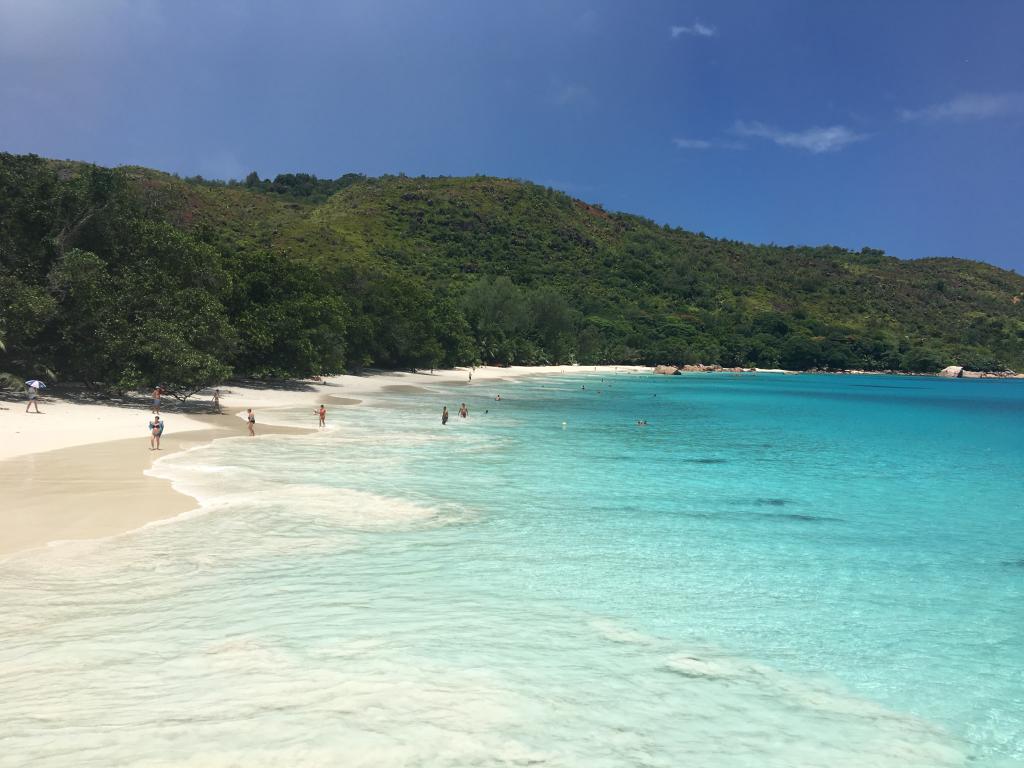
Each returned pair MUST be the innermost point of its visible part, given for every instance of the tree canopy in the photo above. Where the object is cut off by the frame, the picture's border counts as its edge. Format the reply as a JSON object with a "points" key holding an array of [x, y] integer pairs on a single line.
{"points": [[128, 277]]}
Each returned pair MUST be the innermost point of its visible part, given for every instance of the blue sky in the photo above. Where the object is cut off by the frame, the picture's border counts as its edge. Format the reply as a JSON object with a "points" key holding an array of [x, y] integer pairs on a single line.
{"points": [[895, 125]]}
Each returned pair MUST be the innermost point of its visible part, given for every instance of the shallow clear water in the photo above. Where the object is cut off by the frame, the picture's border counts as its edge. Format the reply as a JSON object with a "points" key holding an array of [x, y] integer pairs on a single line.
{"points": [[777, 571]]}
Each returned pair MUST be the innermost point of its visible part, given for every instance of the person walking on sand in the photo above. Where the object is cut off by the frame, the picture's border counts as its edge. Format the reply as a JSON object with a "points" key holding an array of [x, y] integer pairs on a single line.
{"points": [[216, 401], [444, 415], [33, 399], [251, 418], [322, 413], [157, 394], [156, 429]]}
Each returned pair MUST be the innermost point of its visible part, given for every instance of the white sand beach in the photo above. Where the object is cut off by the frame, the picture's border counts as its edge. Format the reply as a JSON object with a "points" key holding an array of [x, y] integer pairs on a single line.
{"points": [[76, 471]]}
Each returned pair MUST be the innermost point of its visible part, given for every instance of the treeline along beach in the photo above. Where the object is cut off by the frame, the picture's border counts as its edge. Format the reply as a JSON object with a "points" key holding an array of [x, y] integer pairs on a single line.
{"points": [[128, 276]]}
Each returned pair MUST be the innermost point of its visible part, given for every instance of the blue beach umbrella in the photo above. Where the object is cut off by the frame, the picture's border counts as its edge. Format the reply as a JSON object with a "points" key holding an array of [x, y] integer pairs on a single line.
{"points": [[35, 384]]}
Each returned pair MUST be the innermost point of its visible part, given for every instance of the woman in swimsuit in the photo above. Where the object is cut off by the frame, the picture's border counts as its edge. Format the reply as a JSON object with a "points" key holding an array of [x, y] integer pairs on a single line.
{"points": [[252, 423], [156, 429]]}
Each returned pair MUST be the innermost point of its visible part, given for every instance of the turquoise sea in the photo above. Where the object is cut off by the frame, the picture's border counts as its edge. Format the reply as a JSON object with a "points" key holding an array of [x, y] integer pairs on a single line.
{"points": [[776, 571]]}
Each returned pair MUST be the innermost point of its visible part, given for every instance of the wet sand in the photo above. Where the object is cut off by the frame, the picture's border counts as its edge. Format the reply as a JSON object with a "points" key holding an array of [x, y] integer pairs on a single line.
{"points": [[335, 400], [92, 491], [405, 389]]}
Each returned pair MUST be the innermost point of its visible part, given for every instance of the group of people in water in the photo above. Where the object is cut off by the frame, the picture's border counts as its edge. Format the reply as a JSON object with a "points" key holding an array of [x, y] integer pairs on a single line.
{"points": [[464, 409], [157, 425], [463, 413]]}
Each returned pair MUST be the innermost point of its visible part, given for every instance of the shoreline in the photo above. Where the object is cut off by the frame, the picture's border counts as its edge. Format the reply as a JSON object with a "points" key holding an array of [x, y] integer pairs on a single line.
{"points": [[96, 490], [83, 475]]}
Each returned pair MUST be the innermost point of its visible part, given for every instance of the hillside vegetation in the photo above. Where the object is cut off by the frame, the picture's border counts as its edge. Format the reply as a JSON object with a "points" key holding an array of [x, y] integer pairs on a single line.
{"points": [[129, 276]]}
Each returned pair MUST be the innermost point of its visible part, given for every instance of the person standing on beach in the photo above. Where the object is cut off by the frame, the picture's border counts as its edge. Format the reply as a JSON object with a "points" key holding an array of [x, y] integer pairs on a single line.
{"points": [[251, 418], [33, 399], [157, 394], [323, 415], [444, 415], [216, 401], [156, 429]]}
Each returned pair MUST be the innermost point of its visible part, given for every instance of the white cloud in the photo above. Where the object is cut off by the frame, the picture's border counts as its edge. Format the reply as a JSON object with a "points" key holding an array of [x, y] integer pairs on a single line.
{"points": [[814, 140], [698, 29], [702, 144], [692, 143], [969, 106]]}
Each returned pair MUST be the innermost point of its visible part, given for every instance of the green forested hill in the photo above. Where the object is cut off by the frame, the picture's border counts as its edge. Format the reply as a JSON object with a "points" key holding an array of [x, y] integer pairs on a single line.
{"points": [[131, 276]]}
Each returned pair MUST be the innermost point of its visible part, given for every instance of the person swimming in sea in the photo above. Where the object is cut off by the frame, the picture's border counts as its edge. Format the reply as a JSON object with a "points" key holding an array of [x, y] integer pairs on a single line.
{"points": [[463, 411], [444, 415]]}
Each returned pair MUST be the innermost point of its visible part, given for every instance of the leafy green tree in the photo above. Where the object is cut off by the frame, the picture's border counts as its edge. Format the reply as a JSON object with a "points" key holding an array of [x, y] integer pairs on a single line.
{"points": [[88, 317], [25, 312], [288, 321]]}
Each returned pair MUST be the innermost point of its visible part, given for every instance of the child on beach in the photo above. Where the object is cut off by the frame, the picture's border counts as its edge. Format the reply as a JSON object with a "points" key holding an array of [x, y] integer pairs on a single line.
{"points": [[156, 429], [251, 418]]}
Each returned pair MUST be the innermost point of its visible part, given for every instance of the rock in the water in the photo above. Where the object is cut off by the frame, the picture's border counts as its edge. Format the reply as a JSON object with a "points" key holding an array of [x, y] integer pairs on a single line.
{"points": [[952, 371]]}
